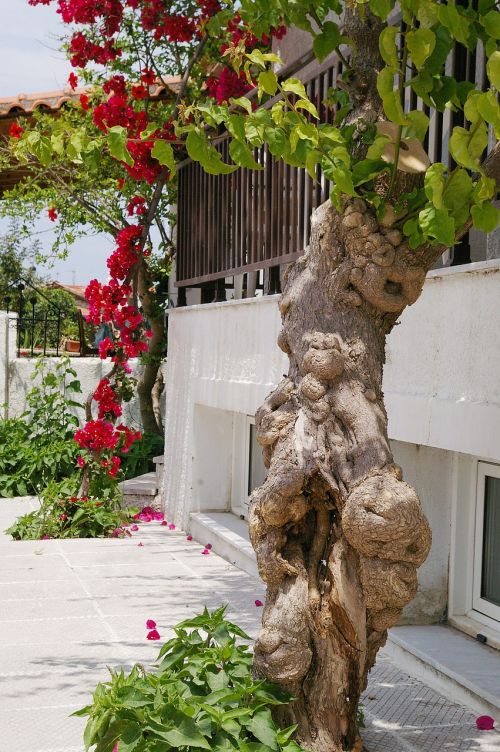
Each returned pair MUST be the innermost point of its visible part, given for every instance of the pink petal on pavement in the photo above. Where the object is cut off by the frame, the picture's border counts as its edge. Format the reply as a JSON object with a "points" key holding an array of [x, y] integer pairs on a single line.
{"points": [[134, 528], [189, 537], [164, 522], [140, 544], [158, 515], [150, 624], [205, 552], [171, 526], [209, 546], [258, 603], [485, 723], [153, 635]]}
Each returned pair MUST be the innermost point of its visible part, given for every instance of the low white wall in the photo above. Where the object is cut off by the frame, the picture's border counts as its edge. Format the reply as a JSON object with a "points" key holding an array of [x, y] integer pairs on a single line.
{"points": [[441, 386], [15, 376]]}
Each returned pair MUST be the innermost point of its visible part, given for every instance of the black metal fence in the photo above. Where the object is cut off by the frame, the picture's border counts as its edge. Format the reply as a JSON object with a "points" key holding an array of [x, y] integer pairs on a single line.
{"points": [[41, 327]]}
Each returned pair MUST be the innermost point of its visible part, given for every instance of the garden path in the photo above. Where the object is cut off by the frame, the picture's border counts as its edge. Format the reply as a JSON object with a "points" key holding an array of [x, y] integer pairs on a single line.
{"points": [[70, 608]]}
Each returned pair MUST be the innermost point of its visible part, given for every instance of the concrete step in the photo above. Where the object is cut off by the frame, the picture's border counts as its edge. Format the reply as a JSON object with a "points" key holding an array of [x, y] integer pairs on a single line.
{"points": [[229, 538], [140, 491], [450, 662]]}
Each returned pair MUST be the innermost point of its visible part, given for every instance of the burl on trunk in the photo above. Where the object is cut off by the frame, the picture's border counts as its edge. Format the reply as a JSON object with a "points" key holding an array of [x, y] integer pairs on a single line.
{"points": [[337, 532]]}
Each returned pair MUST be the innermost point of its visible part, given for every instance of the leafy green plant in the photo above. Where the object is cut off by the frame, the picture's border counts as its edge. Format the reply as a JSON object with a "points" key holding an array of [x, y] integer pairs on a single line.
{"points": [[62, 514], [139, 458], [38, 447], [201, 695]]}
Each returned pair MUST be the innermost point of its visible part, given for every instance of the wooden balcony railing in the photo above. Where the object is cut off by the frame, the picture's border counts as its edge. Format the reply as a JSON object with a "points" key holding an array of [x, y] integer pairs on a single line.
{"points": [[254, 219]]}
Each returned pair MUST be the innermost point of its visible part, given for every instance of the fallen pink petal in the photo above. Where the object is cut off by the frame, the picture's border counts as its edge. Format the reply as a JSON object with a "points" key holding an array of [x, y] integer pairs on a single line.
{"points": [[485, 723], [209, 546], [189, 537], [164, 522], [153, 635], [140, 544], [258, 603], [158, 515], [150, 624], [171, 527], [205, 552], [134, 528]]}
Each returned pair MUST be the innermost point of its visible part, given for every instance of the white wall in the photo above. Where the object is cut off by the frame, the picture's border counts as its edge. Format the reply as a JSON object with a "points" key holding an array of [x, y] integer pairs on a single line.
{"points": [[441, 386], [15, 373]]}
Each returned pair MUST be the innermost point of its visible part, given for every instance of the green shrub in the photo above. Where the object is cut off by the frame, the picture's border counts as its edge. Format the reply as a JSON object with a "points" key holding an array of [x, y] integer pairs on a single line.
{"points": [[200, 696], [38, 447], [139, 458], [64, 515]]}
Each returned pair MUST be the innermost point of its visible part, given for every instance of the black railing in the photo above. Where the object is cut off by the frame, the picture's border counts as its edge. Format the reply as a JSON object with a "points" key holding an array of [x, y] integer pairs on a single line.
{"points": [[41, 323]]}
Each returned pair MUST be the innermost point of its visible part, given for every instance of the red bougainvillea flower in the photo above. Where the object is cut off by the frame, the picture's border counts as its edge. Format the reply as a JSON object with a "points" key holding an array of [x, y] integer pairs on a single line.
{"points": [[148, 76], [15, 130], [171, 526], [134, 528], [139, 91], [115, 748], [164, 522], [73, 80], [80, 461], [63, 517], [209, 546], [52, 213], [153, 635], [258, 603], [205, 552], [485, 723], [150, 624], [84, 102], [189, 537], [158, 516]]}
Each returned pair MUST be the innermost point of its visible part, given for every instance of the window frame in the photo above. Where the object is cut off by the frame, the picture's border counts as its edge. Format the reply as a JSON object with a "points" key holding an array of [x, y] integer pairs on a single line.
{"points": [[479, 604]]}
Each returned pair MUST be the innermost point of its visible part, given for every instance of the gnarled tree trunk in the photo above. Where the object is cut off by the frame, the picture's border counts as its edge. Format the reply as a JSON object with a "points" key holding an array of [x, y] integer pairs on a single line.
{"points": [[337, 532]]}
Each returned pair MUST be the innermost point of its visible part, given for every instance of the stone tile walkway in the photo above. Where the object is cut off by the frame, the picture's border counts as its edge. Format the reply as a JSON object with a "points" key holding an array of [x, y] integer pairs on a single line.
{"points": [[69, 609]]}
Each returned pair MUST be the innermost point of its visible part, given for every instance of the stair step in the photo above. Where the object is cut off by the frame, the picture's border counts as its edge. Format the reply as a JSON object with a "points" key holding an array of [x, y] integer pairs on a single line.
{"points": [[450, 662], [139, 491], [229, 538]]}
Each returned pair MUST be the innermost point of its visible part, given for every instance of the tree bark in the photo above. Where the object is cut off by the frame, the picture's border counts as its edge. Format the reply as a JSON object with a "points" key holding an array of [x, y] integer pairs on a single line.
{"points": [[337, 532], [148, 383]]}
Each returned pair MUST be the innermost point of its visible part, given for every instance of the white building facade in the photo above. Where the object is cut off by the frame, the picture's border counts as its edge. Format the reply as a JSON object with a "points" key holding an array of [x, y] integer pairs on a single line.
{"points": [[442, 391]]}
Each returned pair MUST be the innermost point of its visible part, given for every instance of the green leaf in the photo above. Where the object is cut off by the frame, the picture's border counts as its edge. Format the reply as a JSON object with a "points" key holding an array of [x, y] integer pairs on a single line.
{"points": [[242, 155], [163, 152], [243, 102], [276, 140], [201, 151], [434, 184], [117, 142], [295, 86], [306, 104], [393, 108], [385, 81], [466, 146], [40, 147], [263, 728], [268, 82], [327, 41], [130, 737], [419, 125], [457, 194], [454, 21], [388, 47], [438, 225], [381, 8], [489, 109], [421, 43], [491, 22], [186, 735], [367, 169], [485, 217], [493, 69]]}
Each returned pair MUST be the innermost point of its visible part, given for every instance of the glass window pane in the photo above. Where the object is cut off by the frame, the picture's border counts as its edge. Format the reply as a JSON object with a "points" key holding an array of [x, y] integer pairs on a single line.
{"points": [[490, 580], [257, 471]]}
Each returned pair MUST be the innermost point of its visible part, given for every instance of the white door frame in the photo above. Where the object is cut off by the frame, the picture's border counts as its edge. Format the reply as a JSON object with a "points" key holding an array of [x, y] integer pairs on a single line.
{"points": [[479, 604]]}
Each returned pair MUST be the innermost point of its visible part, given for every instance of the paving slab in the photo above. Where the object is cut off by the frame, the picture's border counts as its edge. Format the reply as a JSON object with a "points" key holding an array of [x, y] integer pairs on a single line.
{"points": [[69, 609]]}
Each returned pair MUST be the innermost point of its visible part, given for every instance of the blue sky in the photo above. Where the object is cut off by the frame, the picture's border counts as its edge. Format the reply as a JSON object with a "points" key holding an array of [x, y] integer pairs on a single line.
{"points": [[30, 62]]}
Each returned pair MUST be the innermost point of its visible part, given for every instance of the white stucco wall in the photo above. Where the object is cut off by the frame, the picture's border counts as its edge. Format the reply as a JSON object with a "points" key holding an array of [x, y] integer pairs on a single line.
{"points": [[441, 386]]}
